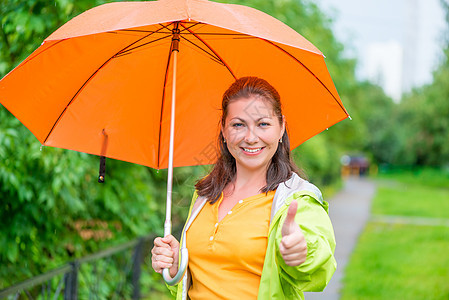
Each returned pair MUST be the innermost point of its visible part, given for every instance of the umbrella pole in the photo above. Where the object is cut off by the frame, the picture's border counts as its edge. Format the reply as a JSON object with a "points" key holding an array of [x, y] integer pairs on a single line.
{"points": [[168, 224]]}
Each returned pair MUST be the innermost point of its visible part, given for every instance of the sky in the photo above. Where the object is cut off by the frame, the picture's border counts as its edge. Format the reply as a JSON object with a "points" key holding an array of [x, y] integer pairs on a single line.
{"points": [[398, 43]]}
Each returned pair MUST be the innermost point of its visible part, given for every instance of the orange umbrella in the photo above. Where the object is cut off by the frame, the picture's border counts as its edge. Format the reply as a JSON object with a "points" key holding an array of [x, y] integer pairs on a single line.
{"points": [[102, 83]]}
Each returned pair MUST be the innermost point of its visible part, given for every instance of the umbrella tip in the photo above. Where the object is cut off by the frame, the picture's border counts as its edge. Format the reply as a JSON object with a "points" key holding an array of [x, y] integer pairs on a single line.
{"points": [[350, 119]]}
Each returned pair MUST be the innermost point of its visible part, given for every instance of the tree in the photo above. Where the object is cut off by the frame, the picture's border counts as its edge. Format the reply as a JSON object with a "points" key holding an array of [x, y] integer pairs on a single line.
{"points": [[424, 117]]}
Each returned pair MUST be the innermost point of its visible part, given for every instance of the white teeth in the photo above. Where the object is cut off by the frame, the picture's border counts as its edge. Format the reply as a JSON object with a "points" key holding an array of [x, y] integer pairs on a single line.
{"points": [[251, 150]]}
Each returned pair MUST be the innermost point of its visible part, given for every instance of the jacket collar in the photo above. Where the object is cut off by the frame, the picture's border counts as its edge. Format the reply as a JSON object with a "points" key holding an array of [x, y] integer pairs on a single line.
{"points": [[287, 188]]}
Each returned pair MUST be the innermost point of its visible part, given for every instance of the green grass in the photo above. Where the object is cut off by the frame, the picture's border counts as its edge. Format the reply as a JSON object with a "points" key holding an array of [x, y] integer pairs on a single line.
{"points": [[403, 261], [399, 262], [411, 200]]}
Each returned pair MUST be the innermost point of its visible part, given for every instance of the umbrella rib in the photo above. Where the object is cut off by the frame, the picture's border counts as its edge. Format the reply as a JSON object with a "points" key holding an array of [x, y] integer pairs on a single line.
{"points": [[37, 54], [137, 47], [162, 107], [151, 31], [223, 34], [147, 31], [166, 26], [313, 74], [140, 30], [163, 96], [214, 58], [198, 33], [193, 25], [208, 33], [85, 83], [212, 50]]}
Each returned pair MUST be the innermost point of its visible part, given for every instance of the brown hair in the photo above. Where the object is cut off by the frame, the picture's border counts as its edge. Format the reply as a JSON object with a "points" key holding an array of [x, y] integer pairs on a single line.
{"points": [[224, 170]]}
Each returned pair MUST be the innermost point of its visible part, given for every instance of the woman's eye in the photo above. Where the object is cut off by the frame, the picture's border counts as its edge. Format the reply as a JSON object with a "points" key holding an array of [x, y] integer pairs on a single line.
{"points": [[264, 124], [237, 125]]}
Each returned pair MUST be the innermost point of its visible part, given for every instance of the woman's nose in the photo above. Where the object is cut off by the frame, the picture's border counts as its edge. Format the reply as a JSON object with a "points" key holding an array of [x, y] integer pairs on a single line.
{"points": [[251, 136]]}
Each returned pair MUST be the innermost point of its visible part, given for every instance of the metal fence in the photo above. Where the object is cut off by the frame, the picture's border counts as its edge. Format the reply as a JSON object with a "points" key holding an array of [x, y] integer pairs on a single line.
{"points": [[110, 274]]}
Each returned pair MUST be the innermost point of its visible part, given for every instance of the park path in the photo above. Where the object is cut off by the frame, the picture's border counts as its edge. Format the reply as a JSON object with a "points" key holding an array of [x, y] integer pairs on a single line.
{"points": [[349, 210]]}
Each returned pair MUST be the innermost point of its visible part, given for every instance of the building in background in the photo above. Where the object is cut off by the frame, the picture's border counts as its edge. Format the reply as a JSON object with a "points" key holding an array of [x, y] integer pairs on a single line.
{"points": [[397, 43], [384, 66]]}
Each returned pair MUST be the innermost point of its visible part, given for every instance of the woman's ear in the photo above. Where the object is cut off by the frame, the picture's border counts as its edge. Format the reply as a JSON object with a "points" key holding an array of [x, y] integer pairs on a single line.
{"points": [[222, 130], [283, 126]]}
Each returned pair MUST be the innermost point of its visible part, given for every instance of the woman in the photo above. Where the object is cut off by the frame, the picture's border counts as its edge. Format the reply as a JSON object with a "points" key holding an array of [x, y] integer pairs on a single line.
{"points": [[264, 232]]}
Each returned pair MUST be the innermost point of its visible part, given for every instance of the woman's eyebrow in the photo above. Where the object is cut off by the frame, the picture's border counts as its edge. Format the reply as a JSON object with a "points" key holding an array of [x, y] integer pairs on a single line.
{"points": [[239, 119], [261, 118], [256, 120]]}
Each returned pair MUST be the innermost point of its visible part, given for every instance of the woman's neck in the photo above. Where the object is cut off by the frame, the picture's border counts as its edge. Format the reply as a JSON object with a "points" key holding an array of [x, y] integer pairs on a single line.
{"points": [[253, 180]]}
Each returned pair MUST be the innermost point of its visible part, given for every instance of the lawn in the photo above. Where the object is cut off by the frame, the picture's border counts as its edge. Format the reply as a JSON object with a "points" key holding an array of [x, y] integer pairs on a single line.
{"points": [[393, 261], [411, 200]]}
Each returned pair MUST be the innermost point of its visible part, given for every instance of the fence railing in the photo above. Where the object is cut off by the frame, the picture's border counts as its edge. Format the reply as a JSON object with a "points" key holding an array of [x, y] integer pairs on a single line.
{"points": [[110, 274]]}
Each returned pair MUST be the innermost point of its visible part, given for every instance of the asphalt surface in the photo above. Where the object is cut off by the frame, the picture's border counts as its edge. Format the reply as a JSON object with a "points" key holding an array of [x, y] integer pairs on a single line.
{"points": [[349, 210]]}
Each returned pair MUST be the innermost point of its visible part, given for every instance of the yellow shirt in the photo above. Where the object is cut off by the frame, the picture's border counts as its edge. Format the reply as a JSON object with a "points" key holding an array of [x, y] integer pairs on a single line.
{"points": [[226, 258]]}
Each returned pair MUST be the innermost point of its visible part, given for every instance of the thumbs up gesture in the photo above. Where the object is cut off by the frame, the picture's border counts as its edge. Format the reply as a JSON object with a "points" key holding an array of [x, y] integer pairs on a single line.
{"points": [[293, 246]]}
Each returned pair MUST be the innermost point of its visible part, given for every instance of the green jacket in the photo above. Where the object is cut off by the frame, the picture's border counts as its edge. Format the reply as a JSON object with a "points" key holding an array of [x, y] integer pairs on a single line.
{"points": [[278, 280]]}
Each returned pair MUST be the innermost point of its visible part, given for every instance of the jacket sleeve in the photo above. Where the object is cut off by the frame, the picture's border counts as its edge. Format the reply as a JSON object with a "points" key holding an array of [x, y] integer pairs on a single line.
{"points": [[315, 273], [173, 289]]}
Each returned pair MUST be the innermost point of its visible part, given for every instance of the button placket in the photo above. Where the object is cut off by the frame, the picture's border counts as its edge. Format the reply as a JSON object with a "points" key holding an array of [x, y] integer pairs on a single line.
{"points": [[214, 233]]}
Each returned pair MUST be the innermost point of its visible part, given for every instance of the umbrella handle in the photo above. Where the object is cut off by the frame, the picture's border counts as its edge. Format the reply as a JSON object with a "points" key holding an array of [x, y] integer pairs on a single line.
{"points": [[181, 270]]}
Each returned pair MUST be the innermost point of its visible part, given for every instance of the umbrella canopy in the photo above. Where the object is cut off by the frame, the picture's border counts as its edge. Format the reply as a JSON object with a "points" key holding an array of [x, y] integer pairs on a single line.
{"points": [[101, 83]]}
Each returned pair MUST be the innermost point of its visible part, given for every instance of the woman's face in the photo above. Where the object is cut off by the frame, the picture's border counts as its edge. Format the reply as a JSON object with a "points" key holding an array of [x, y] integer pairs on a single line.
{"points": [[252, 132]]}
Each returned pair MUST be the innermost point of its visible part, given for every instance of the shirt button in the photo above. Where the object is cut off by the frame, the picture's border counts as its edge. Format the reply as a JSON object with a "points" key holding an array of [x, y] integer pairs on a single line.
{"points": [[241, 201], [211, 238], [216, 224], [229, 212]]}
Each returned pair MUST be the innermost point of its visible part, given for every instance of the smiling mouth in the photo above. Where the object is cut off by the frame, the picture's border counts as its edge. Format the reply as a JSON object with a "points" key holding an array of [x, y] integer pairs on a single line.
{"points": [[252, 150]]}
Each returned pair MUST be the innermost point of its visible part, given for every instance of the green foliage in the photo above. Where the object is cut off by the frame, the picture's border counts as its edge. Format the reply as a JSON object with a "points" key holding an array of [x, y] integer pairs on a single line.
{"points": [[106, 278], [44, 192], [319, 160], [429, 177], [426, 111], [25, 24], [423, 118]]}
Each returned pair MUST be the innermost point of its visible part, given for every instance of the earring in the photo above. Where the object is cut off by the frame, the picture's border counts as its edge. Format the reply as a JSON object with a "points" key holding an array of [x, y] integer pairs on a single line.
{"points": [[224, 140], [280, 141]]}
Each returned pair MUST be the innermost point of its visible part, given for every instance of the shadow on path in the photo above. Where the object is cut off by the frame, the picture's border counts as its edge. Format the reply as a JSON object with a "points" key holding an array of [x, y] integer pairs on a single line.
{"points": [[349, 210]]}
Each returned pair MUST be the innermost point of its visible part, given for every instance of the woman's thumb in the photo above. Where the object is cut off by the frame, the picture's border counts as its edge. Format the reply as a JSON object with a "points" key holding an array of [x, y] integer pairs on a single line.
{"points": [[289, 222]]}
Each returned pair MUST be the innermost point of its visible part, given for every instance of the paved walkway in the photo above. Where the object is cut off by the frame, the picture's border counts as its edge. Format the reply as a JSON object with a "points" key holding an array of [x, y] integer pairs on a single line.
{"points": [[349, 210], [419, 221]]}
